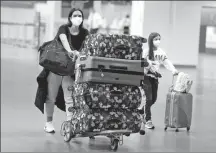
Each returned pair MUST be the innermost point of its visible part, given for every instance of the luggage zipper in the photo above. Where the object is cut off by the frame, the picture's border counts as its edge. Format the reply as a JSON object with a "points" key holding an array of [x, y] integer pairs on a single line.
{"points": [[114, 71], [171, 108]]}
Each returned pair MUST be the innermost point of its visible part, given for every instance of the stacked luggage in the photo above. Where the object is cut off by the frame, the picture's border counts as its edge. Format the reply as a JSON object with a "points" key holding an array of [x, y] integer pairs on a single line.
{"points": [[179, 103], [108, 76]]}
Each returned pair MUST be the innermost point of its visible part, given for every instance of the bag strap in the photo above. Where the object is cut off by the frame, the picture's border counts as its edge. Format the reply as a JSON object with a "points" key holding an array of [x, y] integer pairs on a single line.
{"points": [[69, 40]]}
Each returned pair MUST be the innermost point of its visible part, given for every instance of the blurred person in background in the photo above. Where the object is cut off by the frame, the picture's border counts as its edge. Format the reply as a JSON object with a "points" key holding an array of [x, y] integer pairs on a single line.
{"points": [[54, 89], [115, 26], [126, 24], [155, 57], [94, 21], [104, 26]]}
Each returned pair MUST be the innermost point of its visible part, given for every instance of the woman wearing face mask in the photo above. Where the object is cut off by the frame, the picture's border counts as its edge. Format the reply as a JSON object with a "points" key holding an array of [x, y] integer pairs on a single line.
{"points": [[55, 89], [155, 57]]}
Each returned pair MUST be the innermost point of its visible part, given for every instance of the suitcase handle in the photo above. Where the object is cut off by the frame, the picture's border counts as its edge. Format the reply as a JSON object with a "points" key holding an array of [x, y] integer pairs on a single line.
{"points": [[101, 67], [116, 92], [118, 67], [144, 62], [174, 78], [171, 87], [122, 47]]}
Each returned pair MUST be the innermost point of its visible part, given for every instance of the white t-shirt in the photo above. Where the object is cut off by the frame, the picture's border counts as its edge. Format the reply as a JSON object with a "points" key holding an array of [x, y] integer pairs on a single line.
{"points": [[160, 58]]}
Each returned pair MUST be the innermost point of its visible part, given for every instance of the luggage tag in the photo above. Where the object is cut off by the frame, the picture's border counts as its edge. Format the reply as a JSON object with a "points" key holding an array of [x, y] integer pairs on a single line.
{"points": [[100, 67], [102, 74]]}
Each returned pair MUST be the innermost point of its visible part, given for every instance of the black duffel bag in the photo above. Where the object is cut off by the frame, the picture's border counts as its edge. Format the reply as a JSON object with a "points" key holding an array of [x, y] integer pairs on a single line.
{"points": [[55, 58]]}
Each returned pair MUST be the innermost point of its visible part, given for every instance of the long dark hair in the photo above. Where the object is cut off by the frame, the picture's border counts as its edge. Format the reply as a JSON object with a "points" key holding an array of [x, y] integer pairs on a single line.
{"points": [[151, 45], [71, 13]]}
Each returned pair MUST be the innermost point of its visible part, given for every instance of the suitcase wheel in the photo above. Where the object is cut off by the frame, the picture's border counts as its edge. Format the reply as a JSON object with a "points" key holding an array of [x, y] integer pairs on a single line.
{"points": [[165, 128], [188, 128], [177, 130]]}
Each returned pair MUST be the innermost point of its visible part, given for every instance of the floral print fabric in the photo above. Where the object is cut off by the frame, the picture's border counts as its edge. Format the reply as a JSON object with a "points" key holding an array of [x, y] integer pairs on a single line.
{"points": [[113, 46], [107, 106]]}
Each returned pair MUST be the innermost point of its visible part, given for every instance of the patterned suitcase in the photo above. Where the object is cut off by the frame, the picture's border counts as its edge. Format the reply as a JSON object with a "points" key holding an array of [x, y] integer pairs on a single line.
{"points": [[113, 46], [178, 112], [96, 120], [102, 96]]}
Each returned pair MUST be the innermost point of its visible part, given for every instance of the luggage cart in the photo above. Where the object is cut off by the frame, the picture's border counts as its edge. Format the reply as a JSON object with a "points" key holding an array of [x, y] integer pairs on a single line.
{"points": [[69, 129], [116, 136]]}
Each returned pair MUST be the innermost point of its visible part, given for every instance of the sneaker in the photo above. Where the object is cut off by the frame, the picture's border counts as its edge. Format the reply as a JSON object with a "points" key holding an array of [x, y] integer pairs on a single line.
{"points": [[149, 125], [49, 128]]}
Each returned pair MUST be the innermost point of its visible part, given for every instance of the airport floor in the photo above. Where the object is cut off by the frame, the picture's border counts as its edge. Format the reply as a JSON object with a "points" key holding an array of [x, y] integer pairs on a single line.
{"points": [[22, 123]]}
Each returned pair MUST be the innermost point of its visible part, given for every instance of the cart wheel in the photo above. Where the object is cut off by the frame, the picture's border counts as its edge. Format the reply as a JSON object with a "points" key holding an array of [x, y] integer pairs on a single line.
{"points": [[68, 131], [177, 130], [92, 137], [142, 132], [165, 128], [114, 144], [188, 128]]}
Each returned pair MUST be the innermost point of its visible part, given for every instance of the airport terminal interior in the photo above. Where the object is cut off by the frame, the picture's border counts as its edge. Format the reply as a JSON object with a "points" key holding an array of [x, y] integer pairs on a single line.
{"points": [[22, 123]]}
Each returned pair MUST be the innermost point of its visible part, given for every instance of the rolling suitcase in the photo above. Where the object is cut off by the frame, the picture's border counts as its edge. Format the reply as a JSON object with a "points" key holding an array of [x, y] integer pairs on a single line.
{"points": [[91, 120], [109, 70], [113, 46], [178, 112]]}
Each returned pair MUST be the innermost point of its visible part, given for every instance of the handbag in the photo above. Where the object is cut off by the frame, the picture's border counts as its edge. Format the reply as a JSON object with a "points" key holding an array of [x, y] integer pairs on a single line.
{"points": [[54, 58]]}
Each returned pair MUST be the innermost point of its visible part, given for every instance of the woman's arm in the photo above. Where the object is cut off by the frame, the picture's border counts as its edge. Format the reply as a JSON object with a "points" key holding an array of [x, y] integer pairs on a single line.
{"points": [[167, 63], [62, 35], [65, 42]]}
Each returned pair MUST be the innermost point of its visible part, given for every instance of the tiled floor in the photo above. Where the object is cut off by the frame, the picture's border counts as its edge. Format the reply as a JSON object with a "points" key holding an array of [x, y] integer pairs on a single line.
{"points": [[22, 124]]}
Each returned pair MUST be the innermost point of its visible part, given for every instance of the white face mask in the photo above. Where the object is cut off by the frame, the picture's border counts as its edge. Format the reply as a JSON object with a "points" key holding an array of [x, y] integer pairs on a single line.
{"points": [[76, 21], [156, 43]]}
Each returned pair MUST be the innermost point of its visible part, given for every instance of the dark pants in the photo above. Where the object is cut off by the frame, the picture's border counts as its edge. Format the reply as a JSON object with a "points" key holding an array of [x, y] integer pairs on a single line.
{"points": [[150, 87]]}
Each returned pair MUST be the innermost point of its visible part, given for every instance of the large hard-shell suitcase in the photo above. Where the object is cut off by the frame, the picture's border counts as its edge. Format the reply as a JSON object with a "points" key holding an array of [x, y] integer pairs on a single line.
{"points": [[113, 46], [178, 112], [109, 70]]}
